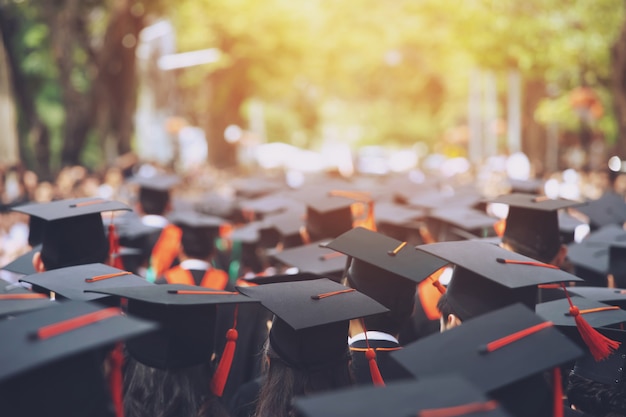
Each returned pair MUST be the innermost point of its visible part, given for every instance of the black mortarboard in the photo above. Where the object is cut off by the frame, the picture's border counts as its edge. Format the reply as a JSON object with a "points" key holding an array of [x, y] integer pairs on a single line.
{"points": [[401, 399], [597, 314], [464, 222], [72, 282], [310, 328], [400, 222], [74, 232], [487, 277], [479, 351], [35, 339], [35, 230], [313, 258], [154, 191], [270, 204], [569, 227], [23, 264], [590, 255], [289, 225], [617, 263], [187, 316], [609, 371], [199, 232], [610, 208], [612, 296], [52, 361], [14, 299], [328, 216], [254, 187], [532, 225]]}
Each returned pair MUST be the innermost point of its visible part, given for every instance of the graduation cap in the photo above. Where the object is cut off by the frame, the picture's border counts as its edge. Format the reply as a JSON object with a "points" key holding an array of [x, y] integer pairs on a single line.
{"points": [[328, 216], [503, 353], [465, 222], [74, 233], [532, 225], [590, 260], [187, 316], [270, 204], [199, 232], [14, 299], [54, 358], [571, 228], [610, 208], [617, 263], [255, 187], [437, 394], [612, 296], [154, 191], [313, 258], [290, 227], [310, 327], [487, 277], [23, 264], [530, 186], [72, 282], [609, 371]]}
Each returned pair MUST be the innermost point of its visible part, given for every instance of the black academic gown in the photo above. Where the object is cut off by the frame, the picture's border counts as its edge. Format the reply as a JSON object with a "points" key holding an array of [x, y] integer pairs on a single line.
{"points": [[389, 369]]}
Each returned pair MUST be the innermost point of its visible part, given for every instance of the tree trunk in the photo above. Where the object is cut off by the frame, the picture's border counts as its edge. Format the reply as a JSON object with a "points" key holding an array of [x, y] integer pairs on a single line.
{"points": [[533, 134], [115, 87], [8, 119], [618, 63]]}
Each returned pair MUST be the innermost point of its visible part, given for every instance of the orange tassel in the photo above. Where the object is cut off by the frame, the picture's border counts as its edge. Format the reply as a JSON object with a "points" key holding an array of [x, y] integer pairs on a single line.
{"points": [[114, 248], [599, 345], [558, 392], [500, 227], [116, 360], [223, 368], [377, 378]]}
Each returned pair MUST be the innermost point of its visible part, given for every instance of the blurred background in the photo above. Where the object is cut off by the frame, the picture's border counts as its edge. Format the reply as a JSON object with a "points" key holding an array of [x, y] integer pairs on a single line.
{"points": [[360, 85]]}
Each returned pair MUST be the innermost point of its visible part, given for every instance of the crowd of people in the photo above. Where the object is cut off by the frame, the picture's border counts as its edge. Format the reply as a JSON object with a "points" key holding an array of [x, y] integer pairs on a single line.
{"points": [[143, 292]]}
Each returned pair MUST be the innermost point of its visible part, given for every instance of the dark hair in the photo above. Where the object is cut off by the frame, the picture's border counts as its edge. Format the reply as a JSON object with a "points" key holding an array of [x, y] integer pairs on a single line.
{"points": [[444, 307], [152, 392], [152, 201], [283, 382], [198, 244], [596, 398]]}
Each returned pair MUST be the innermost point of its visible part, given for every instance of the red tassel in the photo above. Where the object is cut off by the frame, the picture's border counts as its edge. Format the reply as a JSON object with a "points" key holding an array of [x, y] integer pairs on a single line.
{"points": [[558, 392], [114, 248], [599, 345], [116, 360], [223, 368], [377, 378]]}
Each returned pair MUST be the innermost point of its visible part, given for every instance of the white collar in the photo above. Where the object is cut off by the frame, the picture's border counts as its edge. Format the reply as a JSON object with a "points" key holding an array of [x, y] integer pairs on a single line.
{"points": [[195, 264], [374, 335], [154, 220]]}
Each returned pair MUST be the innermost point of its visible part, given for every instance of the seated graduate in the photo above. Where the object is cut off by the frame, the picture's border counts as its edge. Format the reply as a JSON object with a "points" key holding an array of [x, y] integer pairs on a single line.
{"points": [[170, 372], [73, 232], [306, 349], [388, 271], [51, 360], [197, 249]]}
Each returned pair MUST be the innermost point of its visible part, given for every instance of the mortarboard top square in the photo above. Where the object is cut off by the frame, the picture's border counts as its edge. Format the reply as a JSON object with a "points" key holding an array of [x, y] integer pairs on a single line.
{"points": [[271, 204], [608, 233], [71, 208], [27, 351], [287, 224], [195, 220], [465, 218], [386, 253], [247, 233], [557, 312], [23, 264], [297, 302], [461, 350], [187, 318], [481, 282], [255, 187], [610, 208], [398, 399], [593, 256], [611, 296], [397, 214], [73, 282], [313, 258], [14, 299], [328, 216]]}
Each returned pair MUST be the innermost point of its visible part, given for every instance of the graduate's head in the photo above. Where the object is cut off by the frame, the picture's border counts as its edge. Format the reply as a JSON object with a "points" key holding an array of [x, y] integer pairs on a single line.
{"points": [[72, 231]]}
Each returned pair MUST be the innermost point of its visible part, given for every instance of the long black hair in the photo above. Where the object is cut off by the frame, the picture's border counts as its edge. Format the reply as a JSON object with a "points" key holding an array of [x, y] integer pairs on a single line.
{"points": [[185, 392], [283, 382]]}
